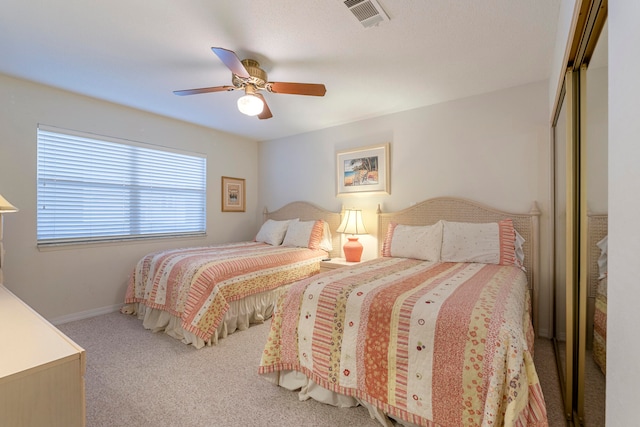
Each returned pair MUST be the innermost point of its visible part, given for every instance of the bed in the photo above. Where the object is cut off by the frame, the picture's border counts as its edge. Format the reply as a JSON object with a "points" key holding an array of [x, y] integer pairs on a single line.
{"points": [[201, 294], [597, 282], [424, 335]]}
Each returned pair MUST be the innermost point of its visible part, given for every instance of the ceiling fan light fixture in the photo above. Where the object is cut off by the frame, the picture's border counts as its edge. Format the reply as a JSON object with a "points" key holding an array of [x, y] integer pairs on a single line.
{"points": [[248, 76], [250, 105]]}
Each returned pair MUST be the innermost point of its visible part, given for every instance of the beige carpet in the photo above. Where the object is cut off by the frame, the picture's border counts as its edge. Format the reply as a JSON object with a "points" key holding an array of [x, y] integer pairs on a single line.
{"points": [[138, 378], [594, 393]]}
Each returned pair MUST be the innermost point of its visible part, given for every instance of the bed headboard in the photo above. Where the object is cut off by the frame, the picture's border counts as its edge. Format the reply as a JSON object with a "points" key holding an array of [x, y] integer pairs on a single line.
{"points": [[461, 210], [597, 229], [307, 212]]}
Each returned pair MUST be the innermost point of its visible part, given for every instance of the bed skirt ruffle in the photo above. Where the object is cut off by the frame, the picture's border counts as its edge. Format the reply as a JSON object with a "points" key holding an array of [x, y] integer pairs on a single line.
{"points": [[309, 389], [254, 309]]}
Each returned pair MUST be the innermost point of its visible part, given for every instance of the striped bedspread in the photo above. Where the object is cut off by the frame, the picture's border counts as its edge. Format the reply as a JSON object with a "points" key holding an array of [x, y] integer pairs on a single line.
{"points": [[196, 284], [434, 344]]}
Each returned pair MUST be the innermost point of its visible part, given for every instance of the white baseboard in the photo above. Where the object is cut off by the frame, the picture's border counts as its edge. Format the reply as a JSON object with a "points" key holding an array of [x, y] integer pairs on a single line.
{"points": [[85, 314]]}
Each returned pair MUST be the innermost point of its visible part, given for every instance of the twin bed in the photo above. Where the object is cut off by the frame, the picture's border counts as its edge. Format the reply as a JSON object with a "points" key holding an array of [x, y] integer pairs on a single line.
{"points": [[436, 331], [201, 294], [442, 341]]}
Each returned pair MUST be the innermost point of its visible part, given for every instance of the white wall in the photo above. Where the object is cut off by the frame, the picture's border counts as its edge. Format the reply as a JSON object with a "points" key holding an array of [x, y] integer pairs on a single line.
{"points": [[81, 280], [564, 33], [493, 148], [597, 139], [623, 343]]}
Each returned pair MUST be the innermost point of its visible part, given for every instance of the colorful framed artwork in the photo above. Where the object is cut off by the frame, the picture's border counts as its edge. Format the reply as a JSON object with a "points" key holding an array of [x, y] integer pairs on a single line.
{"points": [[233, 194], [363, 170]]}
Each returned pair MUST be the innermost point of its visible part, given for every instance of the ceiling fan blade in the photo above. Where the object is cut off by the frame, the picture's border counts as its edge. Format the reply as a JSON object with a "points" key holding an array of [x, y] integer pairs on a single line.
{"points": [[266, 112], [231, 60], [311, 89], [204, 90]]}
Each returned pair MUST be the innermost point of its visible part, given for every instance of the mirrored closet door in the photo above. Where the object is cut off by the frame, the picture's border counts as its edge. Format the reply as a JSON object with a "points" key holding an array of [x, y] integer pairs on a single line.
{"points": [[591, 407], [579, 150], [563, 312]]}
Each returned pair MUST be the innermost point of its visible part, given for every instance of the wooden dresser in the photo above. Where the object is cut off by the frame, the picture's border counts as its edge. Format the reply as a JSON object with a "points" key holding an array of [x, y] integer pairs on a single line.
{"points": [[41, 370]]}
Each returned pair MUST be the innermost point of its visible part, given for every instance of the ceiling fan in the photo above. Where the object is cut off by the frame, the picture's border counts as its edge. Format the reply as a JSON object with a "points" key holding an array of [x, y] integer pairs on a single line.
{"points": [[248, 75]]}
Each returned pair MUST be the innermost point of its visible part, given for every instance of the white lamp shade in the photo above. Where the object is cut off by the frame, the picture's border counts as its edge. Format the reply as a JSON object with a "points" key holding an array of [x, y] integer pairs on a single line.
{"points": [[352, 223], [250, 105], [5, 206]]}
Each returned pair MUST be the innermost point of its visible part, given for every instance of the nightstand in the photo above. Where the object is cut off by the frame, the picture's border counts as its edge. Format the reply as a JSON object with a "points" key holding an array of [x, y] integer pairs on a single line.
{"points": [[334, 263]]}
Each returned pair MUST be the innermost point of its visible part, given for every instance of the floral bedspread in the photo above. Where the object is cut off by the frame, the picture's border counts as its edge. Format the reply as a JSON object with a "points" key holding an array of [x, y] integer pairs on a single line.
{"points": [[435, 344], [600, 326], [196, 284]]}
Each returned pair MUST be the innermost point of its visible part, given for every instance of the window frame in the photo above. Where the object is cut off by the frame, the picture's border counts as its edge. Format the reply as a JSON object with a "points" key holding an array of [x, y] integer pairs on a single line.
{"points": [[147, 184]]}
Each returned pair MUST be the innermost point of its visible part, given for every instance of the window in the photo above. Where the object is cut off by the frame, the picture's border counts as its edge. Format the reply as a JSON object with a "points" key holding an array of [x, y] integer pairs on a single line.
{"points": [[94, 188]]}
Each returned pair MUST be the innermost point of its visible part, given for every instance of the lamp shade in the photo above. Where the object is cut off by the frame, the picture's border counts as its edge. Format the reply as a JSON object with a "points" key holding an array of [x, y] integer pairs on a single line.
{"points": [[250, 105], [5, 206], [352, 224]]}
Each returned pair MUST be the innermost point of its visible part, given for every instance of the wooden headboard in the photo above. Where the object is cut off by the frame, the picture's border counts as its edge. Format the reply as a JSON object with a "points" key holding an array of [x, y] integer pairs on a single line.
{"points": [[308, 212], [461, 210]]}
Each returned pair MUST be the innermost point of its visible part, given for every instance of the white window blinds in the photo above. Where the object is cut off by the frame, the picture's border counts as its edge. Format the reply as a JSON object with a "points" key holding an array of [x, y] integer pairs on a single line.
{"points": [[93, 188]]}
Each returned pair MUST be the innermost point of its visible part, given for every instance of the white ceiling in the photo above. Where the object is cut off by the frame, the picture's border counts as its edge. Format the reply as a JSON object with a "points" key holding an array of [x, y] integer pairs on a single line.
{"points": [[136, 52]]}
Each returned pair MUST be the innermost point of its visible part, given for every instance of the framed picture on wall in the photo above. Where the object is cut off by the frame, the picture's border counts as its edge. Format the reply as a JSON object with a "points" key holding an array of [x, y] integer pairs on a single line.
{"points": [[233, 194], [363, 170]]}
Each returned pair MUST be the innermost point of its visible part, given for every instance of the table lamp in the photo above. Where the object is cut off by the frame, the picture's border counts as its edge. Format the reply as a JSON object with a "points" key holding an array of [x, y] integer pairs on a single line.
{"points": [[352, 224]]}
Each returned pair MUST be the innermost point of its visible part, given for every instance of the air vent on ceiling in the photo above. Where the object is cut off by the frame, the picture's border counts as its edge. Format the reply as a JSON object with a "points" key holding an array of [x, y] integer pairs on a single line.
{"points": [[368, 12]]}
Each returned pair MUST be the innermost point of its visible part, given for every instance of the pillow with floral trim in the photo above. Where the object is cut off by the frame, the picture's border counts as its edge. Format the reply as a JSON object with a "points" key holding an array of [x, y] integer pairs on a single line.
{"points": [[488, 243], [304, 234], [413, 241]]}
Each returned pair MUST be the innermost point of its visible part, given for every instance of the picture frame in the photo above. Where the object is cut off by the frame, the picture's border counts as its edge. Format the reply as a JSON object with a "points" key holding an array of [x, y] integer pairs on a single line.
{"points": [[233, 194], [363, 170]]}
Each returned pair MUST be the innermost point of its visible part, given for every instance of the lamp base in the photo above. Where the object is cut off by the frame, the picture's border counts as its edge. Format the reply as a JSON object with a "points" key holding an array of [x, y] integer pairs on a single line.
{"points": [[352, 250]]}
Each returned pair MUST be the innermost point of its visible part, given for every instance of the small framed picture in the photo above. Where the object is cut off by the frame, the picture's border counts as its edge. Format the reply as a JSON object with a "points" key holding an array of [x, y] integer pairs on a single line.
{"points": [[233, 196], [363, 170]]}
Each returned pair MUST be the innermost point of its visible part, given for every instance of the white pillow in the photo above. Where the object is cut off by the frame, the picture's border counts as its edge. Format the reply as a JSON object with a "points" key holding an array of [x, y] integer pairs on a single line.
{"points": [[488, 243], [418, 242], [326, 243], [602, 259], [519, 250], [272, 232]]}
